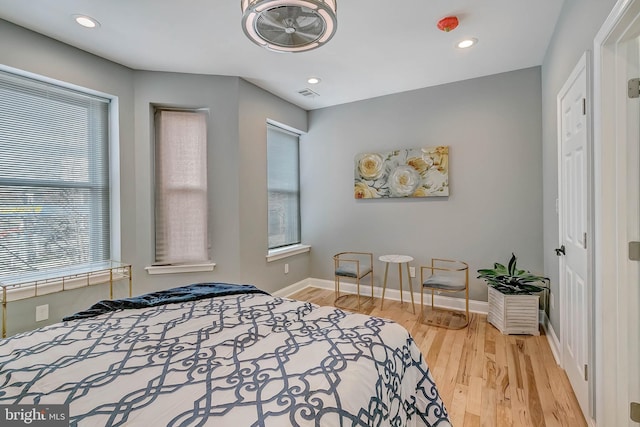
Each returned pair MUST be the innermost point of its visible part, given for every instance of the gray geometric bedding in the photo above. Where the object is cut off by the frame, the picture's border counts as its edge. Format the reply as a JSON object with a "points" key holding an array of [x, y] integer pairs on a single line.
{"points": [[242, 360]]}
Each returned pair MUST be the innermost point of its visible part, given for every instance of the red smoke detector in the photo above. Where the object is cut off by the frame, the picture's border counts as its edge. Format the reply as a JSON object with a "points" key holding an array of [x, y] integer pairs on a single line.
{"points": [[448, 23]]}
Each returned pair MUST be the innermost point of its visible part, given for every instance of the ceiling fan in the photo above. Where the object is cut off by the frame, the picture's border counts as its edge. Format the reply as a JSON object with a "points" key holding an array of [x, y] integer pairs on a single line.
{"points": [[289, 25]]}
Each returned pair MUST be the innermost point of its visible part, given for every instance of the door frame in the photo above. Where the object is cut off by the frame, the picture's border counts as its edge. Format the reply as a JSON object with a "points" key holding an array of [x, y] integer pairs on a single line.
{"points": [[610, 215], [583, 65]]}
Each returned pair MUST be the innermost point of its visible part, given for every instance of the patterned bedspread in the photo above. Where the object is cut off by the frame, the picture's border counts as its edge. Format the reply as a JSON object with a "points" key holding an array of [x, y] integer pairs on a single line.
{"points": [[240, 360]]}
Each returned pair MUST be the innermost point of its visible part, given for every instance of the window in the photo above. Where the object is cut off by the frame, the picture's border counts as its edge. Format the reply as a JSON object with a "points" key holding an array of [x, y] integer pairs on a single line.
{"points": [[54, 177], [283, 186], [181, 187]]}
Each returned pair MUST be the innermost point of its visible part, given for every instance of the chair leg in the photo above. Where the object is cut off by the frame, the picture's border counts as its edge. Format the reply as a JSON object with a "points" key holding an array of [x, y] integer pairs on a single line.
{"points": [[467, 304], [371, 280], [413, 304], [466, 294]]}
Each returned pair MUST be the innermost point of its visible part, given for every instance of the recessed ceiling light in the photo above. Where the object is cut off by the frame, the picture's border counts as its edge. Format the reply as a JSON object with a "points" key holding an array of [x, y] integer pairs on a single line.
{"points": [[313, 80], [86, 21], [467, 43]]}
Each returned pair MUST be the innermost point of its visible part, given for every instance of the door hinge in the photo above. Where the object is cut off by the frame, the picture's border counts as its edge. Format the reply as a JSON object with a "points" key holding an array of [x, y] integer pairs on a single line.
{"points": [[634, 412], [633, 88], [584, 106], [584, 240], [586, 373], [634, 251]]}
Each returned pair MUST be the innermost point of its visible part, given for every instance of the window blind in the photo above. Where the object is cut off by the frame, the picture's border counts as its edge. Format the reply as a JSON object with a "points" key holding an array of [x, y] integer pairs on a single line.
{"points": [[54, 176], [181, 187], [283, 185]]}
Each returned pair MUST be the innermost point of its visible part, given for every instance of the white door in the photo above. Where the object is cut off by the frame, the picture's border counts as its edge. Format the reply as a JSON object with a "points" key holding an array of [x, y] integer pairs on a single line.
{"points": [[629, 312], [573, 134], [617, 216]]}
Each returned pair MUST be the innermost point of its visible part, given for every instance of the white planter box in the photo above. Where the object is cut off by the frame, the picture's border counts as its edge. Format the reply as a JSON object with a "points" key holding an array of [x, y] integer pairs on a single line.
{"points": [[513, 314]]}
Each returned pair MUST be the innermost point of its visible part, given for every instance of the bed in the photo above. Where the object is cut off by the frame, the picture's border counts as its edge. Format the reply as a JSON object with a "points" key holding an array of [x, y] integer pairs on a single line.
{"points": [[222, 355]]}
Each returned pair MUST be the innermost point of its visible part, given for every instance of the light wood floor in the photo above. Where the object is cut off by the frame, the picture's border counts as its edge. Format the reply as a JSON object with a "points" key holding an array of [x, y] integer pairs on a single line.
{"points": [[484, 378]]}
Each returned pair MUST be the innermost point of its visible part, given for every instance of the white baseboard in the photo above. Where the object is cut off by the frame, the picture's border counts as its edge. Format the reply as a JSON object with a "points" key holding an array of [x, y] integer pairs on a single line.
{"points": [[481, 307], [552, 338], [292, 289]]}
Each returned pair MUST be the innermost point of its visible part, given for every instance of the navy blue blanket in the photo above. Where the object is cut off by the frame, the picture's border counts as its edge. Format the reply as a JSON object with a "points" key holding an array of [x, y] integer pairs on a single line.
{"points": [[174, 295]]}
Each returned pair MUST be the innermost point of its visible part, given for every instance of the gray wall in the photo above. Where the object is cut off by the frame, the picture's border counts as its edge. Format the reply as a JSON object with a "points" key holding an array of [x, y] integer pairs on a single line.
{"points": [[28, 51], [493, 127], [237, 167], [577, 26], [238, 113], [219, 95]]}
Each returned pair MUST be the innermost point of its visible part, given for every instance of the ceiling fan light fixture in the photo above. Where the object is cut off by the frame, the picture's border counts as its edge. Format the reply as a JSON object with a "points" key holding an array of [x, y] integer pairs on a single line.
{"points": [[289, 25]]}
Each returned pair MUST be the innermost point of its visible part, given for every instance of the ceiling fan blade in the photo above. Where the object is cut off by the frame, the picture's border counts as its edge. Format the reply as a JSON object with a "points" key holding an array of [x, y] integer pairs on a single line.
{"points": [[271, 33], [303, 38], [293, 12], [283, 39], [290, 26], [303, 12], [268, 18], [309, 37]]}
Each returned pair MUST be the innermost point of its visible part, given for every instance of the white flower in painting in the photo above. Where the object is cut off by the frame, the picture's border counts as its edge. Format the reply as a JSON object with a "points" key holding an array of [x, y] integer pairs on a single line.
{"points": [[370, 166], [436, 182], [403, 181]]}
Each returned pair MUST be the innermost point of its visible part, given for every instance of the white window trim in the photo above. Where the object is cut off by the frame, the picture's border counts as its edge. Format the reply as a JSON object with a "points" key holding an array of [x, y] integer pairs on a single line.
{"points": [[180, 268], [287, 251], [114, 176]]}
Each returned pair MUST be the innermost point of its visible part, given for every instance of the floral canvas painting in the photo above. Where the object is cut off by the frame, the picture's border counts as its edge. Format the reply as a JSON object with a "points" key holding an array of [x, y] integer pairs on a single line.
{"points": [[410, 172]]}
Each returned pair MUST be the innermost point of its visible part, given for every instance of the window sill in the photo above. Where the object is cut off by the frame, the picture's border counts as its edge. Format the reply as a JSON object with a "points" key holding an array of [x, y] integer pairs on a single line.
{"points": [[280, 253], [180, 268]]}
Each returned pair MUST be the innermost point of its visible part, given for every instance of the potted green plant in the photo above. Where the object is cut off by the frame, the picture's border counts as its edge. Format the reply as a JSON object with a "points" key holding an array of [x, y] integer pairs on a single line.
{"points": [[514, 296]]}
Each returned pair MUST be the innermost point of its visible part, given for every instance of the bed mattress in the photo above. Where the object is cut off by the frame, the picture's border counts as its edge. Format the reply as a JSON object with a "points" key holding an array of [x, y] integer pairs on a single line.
{"points": [[245, 359]]}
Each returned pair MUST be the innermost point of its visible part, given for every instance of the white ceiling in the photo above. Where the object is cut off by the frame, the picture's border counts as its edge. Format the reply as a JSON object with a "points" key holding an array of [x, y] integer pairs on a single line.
{"points": [[381, 47]]}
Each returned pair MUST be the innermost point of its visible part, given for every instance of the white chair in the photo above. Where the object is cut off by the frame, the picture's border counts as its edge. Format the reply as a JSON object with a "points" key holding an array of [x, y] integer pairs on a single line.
{"points": [[445, 275], [352, 265]]}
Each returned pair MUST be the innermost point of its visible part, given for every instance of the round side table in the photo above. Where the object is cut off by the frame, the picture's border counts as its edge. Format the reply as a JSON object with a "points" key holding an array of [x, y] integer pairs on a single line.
{"points": [[397, 259]]}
